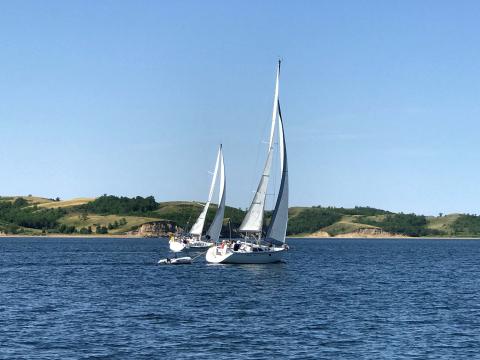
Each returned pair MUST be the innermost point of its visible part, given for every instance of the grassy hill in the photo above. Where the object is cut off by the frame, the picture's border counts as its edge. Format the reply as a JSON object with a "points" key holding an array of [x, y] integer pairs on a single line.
{"points": [[79, 221], [444, 224], [346, 226], [64, 204], [30, 199], [30, 215]]}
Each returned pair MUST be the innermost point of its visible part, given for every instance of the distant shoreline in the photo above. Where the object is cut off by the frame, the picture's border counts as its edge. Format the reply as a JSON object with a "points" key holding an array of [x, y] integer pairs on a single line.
{"points": [[71, 236], [387, 238], [106, 236], [113, 216]]}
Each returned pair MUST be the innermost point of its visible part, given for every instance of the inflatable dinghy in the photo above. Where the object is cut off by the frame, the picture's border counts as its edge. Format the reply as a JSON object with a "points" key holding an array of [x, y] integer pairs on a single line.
{"points": [[175, 261]]}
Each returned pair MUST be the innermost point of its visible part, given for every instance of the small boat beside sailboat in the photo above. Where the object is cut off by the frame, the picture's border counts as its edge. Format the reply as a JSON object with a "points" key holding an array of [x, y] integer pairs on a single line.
{"points": [[185, 260], [255, 247], [194, 240]]}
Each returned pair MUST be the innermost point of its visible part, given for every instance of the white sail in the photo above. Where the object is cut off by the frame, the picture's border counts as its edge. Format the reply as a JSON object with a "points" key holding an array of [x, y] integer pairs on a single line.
{"points": [[197, 228], [278, 225], [213, 232], [275, 107], [253, 220]]}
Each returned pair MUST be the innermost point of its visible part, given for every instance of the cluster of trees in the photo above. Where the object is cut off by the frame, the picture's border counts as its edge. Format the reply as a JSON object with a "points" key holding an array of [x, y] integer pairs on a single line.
{"points": [[101, 230], [85, 230], [312, 219], [116, 224], [70, 229], [362, 210], [19, 213], [317, 217], [66, 229], [406, 224], [110, 204], [466, 225], [9, 228]]}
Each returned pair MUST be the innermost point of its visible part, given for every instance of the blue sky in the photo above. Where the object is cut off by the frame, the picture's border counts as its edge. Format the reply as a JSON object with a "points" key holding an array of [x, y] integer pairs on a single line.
{"points": [[381, 99]]}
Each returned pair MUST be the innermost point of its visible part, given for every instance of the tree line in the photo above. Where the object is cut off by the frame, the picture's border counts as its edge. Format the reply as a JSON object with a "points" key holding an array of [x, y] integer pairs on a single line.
{"points": [[20, 214], [110, 204]]}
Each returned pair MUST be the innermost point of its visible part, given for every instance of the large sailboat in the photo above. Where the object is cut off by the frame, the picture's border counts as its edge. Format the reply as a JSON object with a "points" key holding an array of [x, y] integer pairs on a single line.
{"points": [[256, 247], [194, 240]]}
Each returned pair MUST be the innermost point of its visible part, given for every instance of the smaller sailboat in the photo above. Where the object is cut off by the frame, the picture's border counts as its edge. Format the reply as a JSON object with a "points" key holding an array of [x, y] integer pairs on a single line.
{"points": [[194, 240], [255, 247]]}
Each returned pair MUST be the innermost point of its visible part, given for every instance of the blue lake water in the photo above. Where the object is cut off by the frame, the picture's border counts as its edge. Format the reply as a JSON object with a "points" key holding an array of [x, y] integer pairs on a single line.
{"points": [[331, 299]]}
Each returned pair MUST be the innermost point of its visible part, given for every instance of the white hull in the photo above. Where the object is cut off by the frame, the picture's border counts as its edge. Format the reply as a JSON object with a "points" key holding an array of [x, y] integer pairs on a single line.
{"points": [[198, 247], [217, 255], [190, 245]]}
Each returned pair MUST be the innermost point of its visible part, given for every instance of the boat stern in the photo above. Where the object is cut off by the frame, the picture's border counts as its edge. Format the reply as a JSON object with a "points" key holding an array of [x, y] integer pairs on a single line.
{"points": [[217, 255]]}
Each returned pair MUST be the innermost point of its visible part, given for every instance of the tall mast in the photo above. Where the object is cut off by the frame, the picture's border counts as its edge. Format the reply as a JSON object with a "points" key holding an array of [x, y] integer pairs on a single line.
{"points": [[253, 221]]}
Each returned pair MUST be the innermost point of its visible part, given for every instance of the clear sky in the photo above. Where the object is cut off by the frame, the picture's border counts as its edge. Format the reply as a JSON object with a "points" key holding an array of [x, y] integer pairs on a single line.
{"points": [[381, 99]]}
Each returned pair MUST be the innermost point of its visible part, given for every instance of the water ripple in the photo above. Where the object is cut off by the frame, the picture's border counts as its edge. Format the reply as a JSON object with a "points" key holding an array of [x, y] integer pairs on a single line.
{"points": [[330, 299]]}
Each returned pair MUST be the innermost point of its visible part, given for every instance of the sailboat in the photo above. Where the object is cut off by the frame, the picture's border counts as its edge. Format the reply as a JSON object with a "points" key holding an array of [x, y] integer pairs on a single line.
{"points": [[194, 240], [255, 247]]}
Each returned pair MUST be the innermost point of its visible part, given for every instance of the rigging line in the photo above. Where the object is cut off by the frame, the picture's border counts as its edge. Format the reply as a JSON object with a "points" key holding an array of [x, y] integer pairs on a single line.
{"points": [[260, 150], [203, 253]]}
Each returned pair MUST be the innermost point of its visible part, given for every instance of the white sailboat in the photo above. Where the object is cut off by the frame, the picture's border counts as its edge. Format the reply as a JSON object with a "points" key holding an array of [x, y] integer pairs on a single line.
{"points": [[256, 248], [194, 239]]}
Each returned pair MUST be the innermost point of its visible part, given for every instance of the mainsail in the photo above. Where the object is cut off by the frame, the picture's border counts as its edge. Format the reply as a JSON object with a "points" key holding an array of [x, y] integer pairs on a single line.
{"points": [[278, 225], [213, 232], [253, 220], [197, 228]]}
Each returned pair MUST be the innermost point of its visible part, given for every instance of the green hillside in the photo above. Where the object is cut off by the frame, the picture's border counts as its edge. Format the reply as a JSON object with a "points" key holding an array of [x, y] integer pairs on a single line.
{"points": [[30, 215], [445, 223], [345, 227]]}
